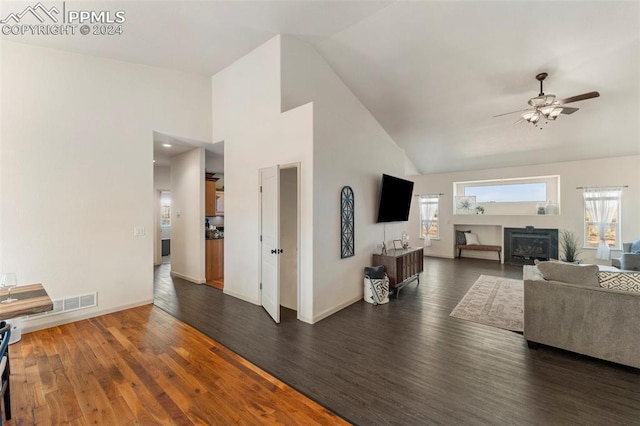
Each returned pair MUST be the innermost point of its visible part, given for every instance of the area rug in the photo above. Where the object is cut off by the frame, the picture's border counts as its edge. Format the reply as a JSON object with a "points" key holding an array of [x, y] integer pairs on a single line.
{"points": [[494, 301]]}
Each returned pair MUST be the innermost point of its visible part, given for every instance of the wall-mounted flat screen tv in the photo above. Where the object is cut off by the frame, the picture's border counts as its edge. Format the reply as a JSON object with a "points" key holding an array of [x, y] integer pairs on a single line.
{"points": [[395, 199]]}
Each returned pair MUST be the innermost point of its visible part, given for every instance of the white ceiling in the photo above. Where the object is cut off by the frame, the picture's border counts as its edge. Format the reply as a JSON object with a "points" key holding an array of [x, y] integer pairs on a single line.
{"points": [[432, 72]]}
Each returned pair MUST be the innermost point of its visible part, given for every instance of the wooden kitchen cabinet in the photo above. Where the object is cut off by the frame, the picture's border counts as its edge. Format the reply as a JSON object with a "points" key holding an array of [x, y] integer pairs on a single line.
{"points": [[219, 202], [210, 197], [214, 259]]}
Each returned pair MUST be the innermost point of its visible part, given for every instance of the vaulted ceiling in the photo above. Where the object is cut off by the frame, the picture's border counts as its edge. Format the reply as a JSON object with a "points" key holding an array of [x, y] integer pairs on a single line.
{"points": [[433, 73]]}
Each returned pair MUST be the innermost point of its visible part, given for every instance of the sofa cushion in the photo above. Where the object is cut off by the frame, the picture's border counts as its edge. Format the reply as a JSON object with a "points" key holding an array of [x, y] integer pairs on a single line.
{"points": [[635, 246], [472, 239], [570, 273], [627, 281], [460, 238]]}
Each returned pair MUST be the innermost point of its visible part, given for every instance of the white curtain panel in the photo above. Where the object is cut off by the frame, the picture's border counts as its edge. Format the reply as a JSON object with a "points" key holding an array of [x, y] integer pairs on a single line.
{"points": [[427, 214], [601, 204]]}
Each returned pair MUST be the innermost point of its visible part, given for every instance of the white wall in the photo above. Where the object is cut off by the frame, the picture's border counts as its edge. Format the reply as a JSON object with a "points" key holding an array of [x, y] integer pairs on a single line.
{"points": [[187, 219], [296, 138], [335, 140], [214, 164], [603, 172], [350, 148], [77, 171], [247, 117], [162, 178], [2, 105]]}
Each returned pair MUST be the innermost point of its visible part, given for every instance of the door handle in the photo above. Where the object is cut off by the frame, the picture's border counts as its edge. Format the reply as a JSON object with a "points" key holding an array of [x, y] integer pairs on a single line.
{"points": [[280, 251], [273, 251], [276, 251]]}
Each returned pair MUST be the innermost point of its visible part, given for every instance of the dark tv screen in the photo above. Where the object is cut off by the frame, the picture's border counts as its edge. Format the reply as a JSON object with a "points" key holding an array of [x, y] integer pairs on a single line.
{"points": [[395, 199]]}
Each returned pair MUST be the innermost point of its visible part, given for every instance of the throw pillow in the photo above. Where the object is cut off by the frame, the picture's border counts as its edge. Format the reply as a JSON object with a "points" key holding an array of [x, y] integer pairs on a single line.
{"points": [[570, 273], [472, 239], [627, 281], [374, 272], [460, 239]]}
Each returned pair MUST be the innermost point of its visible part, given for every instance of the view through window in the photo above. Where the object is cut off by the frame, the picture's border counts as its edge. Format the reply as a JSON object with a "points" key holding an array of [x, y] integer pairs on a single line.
{"points": [[429, 216], [508, 193], [602, 216], [529, 195]]}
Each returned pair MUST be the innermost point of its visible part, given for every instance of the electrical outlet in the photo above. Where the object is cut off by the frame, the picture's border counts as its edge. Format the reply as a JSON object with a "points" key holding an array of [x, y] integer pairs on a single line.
{"points": [[138, 231]]}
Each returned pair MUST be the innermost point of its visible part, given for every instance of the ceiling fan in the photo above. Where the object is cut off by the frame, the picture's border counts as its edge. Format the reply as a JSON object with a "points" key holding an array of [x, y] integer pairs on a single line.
{"points": [[547, 107]]}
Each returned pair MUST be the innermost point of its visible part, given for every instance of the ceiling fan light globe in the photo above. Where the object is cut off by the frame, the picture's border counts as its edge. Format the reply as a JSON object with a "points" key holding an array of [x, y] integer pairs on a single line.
{"points": [[555, 112], [535, 117], [542, 100], [538, 101], [547, 110]]}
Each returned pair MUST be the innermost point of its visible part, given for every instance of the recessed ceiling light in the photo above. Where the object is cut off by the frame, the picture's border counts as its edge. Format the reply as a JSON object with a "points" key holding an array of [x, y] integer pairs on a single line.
{"points": [[166, 145]]}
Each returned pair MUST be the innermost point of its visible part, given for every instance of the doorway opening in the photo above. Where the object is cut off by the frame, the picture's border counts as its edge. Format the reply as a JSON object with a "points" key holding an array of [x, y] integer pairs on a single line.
{"points": [[165, 227], [280, 239], [289, 238]]}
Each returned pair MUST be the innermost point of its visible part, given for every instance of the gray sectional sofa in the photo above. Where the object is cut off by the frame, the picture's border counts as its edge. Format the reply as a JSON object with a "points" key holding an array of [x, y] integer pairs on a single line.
{"points": [[582, 317]]}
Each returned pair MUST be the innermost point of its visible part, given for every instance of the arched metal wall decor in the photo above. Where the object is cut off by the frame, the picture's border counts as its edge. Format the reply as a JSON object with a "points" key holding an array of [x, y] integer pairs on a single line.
{"points": [[347, 248]]}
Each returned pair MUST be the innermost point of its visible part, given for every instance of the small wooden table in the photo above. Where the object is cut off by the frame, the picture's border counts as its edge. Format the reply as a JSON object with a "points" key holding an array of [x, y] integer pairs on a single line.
{"points": [[32, 299]]}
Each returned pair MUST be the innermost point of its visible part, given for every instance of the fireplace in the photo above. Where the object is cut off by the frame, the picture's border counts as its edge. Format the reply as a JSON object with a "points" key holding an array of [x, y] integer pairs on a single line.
{"points": [[522, 246]]}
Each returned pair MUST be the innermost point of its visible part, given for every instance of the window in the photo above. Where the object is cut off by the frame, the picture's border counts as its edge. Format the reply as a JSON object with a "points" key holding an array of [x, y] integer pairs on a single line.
{"points": [[429, 226], [511, 196], [602, 219], [508, 193]]}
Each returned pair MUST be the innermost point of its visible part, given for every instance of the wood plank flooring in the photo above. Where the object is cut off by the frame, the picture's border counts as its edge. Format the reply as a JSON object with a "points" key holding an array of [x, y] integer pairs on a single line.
{"points": [[143, 367], [408, 362]]}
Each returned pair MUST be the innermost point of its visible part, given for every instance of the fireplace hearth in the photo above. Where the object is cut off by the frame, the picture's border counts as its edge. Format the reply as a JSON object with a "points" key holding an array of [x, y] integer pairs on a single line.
{"points": [[522, 246]]}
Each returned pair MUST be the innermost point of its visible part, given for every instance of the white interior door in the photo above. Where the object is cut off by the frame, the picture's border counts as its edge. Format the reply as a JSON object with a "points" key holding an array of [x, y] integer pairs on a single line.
{"points": [[270, 241]]}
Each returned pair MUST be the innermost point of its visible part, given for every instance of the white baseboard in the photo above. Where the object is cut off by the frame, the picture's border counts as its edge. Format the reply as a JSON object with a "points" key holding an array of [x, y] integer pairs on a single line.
{"points": [[333, 310], [40, 323], [241, 297], [440, 256], [188, 278]]}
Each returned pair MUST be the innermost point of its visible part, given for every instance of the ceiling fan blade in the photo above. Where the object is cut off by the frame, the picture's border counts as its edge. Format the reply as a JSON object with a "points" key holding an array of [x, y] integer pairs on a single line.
{"points": [[578, 98], [521, 119], [568, 110], [512, 112]]}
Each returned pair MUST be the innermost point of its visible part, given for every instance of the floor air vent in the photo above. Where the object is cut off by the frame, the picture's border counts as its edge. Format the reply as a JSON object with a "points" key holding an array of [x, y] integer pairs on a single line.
{"points": [[73, 303]]}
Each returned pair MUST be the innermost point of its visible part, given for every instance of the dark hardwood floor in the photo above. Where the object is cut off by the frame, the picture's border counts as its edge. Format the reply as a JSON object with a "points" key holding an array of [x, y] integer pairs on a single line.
{"points": [[408, 362]]}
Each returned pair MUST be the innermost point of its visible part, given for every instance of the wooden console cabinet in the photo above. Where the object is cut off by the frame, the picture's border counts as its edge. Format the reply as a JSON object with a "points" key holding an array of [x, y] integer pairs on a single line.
{"points": [[402, 266]]}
